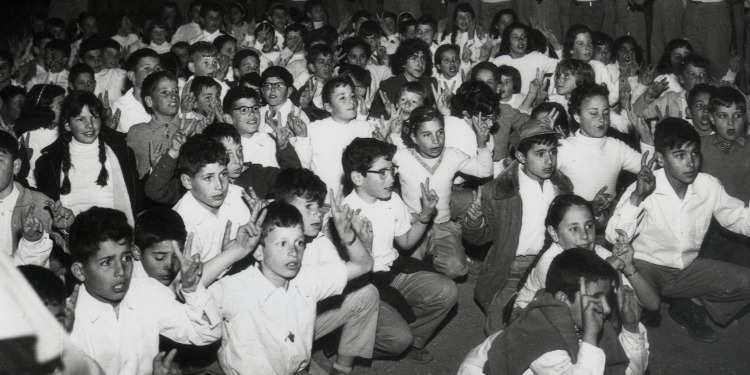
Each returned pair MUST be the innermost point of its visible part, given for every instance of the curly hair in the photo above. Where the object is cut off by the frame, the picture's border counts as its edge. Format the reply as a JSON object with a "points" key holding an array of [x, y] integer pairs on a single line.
{"points": [[407, 49]]}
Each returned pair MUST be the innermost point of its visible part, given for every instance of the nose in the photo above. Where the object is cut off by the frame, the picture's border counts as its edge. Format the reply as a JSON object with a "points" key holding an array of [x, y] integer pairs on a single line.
{"points": [[218, 184], [119, 268], [547, 159], [691, 161], [90, 123]]}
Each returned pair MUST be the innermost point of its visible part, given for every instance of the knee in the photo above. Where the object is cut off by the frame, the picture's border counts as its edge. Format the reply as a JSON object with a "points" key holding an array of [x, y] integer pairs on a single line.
{"points": [[393, 340], [739, 284], [367, 298], [444, 292], [455, 268]]}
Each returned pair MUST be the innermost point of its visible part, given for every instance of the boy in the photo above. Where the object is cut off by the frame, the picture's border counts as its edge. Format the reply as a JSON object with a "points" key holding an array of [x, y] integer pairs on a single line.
{"points": [[207, 93], [448, 65], [140, 64], [245, 61], [321, 145], [119, 319], [669, 211], [158, 232], [426, 30], [242, 110], [356, 310], [316, 11], [278, 17], [697, 101], [320, 66], [56, 55], [111, 54], [81, 78], [110, 81], [276, 89], [203, 63], [655, 103], [420, 300], [293, 54], [272, 305], [210, 200], [265, 42], [511, 213], [211, 19], [49, 288], [567, 327]]}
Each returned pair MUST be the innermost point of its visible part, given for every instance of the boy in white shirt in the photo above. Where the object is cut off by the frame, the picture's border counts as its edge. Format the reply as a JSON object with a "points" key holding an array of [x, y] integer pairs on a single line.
{"points": [[270, 307], [203, 63], [211, 19], [119, 319], [276, 90], [669, 211], [140, 64], [242, 110], [56, 55], [109, 81]]}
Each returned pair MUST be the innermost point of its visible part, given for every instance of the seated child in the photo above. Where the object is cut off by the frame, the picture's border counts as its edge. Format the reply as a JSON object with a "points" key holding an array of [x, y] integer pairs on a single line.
{"points": [[49, 288], [602, 47], [320, 64], [111, 54], [655, 103], [569, 74], [421, 300], [511, 213], [362, 80], [276, 88], [428, 162], [56, 55], [158, 232], [242, 110], [202, 62], [669, 211], [357, 52], [212, 17], [208, 97], [509, 86], [567, 328], [265, 42], [110, 81], [245, 61], [119, 318], [449, 68], [273, 304], [698, 100], [293, 54], [579, 46], [81, 78], [13, 98], [132, 109]]}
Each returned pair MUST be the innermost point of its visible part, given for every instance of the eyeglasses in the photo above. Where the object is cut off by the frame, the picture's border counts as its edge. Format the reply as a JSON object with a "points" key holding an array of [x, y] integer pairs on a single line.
{"points": [[385, 172], [245, 110], [491, 118], [275, 85]]}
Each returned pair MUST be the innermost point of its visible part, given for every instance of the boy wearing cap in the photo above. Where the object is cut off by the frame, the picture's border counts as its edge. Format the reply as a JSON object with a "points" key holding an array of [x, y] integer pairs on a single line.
{"points": [[510, 211]]}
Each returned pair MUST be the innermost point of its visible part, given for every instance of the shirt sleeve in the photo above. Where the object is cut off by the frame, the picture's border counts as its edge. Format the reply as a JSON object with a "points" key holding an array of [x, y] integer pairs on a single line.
{"points": [[636, 348], [322, 281], [34, 253], [303, 147], [474, 362], [403, 217], [479, 166], [729, 211], [625, 217], [590, 361], [197, 322]]}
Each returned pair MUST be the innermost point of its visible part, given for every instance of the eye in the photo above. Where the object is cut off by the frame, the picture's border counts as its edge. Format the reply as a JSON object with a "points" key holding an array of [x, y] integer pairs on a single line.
{"points": [[574, 229], [160, 258], [127, 258], [106, 263]]}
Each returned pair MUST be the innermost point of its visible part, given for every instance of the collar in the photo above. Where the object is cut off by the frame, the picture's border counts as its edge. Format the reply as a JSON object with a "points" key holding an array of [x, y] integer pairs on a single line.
{"points": [[663, 187], [262, 286], [195, 210], [92, 309], [726, 146], [580, 138], [9, 202], [506, 185]]}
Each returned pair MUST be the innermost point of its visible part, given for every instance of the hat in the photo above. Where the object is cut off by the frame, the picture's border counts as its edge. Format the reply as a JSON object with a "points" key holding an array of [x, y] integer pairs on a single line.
{"points": [[532, 128]]}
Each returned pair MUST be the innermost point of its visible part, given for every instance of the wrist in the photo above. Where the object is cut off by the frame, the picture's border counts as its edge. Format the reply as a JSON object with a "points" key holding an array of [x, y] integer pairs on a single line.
{"points": [[629, 271], [425, 217], [349, 242], [590, 337], [631, 327]]}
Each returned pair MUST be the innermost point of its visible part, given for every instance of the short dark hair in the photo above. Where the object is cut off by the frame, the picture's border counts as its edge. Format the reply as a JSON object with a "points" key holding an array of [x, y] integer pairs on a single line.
{"points": [[353, 42], [407, 49], [42, 35], [356, 73], [599, 38], [111, 43], [484, 65], [88, 45], [418, 116], [672, 133], [150, 83], [509, 71], [359, 155], [45, 283], [582, 70], [474, 97], [332, 84], [326, 34], [546, 140], [415, 87], [505, 41], [404, 25], [78, 69], [252, 79], [223, 39], [58, 45], [6, 55], [316, 51], [158, 224], [277, 72], [701, 88], [298, 182], [94, 226], [243, 54], [201, 49], [428, 20], [583, 92], [369, 28], [619, 42], [235, 94], [9, 144], [200, 83], [222, 130], [210, 6], [199, 151], [726, 96], [296, 28], [566, 270], [132, 62], [9, 92], [280, 215], [570, 38], [310, 4], [696, 61], [443, 49]]}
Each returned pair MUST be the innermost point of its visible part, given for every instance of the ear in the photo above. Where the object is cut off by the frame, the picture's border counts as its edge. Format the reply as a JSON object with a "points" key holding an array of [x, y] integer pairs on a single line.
{"points": [[67, 126], [186, 181], [131, 77], [560, 296], [16, 166], [357, 178], [148, 101], [311, 68], [520, 157], [413, 137], [191, 67], [553, 233], [328, 107], [77, 269], [136, 252], [577, 117], [228, 119], [258, 253], [659, 159]]}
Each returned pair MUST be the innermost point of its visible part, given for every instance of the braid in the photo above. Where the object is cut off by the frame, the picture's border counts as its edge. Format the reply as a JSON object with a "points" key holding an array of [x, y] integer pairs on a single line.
{"points": [[65, 188], [103, 175]]}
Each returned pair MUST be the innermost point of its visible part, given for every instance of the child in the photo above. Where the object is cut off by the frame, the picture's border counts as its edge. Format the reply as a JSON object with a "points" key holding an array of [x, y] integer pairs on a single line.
{"points": [[265, 42], [157, 37], [274, 302], [158, 234], [212, 18], [49, 288], [111, 81], [182, 50], [125, 33], [652, 104], [320, 66], [509, 86], [511, 214], [56, 55], [671, 59], [111, 54], [294, 49], [465, 34], [624, 64], [245, 61], [12, 98], [203, 63], [242, 110], [81, 78], [321, 147], [317, 13], [569, 74], [516, 52], [208, 96], [140, 64], [238, 28], [119, 318], [427, 31], [276, 89], [602, 47], [192, 29], [427, 296], [358, 52], [226, 48], [88, 166], [568, 326], [669, 211], [427, 159], [579, 46], [448, 66], [210, 200], [698, 100], [278, 18]]}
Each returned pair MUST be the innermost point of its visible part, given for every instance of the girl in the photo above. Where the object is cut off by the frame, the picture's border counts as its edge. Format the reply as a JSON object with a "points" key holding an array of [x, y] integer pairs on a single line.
{"points": [[627, 56], [501, 21], [578, 45], [126, 35], [158, 37], [37, 125], [570, 224], [466, 34], [669, 63], [427, 163], [515, 52], [88, 166], [448, 65]]}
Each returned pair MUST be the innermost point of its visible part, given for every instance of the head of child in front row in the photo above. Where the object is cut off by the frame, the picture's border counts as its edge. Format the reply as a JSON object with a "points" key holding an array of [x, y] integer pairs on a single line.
{"points": [[425, 132], [727, 108], [570, 222], [368, 166], [207, 94], [678, 151], [536, 150], [202, 167], [339, 99], [242, 110], [158, 232], [202, 59], [570, 74], [304, 190], [510, 82], [589, 107], [100, 243], [49, 288], [282, 244], [698, 99]]}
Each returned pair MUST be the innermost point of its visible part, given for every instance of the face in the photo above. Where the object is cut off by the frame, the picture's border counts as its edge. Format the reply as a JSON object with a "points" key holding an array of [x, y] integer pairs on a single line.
{"points": [[449, 63], [246, 116], [160, 262], [14, 107], [692, 76], [158, 36], [599, 290], [487, 77], [729, 121], [582, 47], [594, 117], [292, 35], [229, 49], [207, 99], [463, 21], [183, 54], [281, 254], [426, 33], [54, 60], [111, 58], [575, 230], [343, 106], [270, 42], [410, 32], [322, 67], [205, 67], [8, 169], [146, 66], [565, 83], [429, 138], [236, 15], [415, 66], [505, 87], [84, 82], [85, 127], [374, 185], [248, 65], [317, 14], [408, 101], [93, 59], [602, 53], [56, 107], [626, 54], [58, 33], [56, 309], [373, 41], [699, 112], [389, 26], [209, 186], [539, 162], [279, 18], [356, 56], [168, 14], [106, 274], [681, 164], [236, 157], [90, 27], [164, 98], [677, 55], [195, 13], [312, 215], [212, 21], [503, 22], [518, 42], [275, 91]]}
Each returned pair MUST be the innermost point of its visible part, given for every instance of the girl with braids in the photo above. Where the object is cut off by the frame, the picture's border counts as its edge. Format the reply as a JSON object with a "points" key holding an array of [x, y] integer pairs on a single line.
{"points": [[89, 165]]}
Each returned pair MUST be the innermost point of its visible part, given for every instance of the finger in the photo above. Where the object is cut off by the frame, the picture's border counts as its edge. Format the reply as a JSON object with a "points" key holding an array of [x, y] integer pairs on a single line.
{"points": [[334, 204], [189, 244], [180, 256], [644, 159], [262, 217], [159, 359], [170, 357], [622, 237], [73, 300], [602, 190], [106, 98], [651, 162], [227, 234], [582, 285]]}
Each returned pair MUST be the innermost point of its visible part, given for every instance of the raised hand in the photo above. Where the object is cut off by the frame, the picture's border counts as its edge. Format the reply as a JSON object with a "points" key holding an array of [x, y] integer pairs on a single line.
{"points": [[178, 139], [656, 88], [429, 200], [62, 218], [187, 99], [344, 24], [32, 229], [191, 267], [624, 250], [592, 314], [308, 92], [342, 216], [441, 26], [70, 309], [380, 130], [163, 364], [644, 131], [389, 107], [363, 228], [646, 182], [630, 312], [485, 50], [647, 75], [296, 123], [188, 126], [601, 201], [466, 52], [442, 99], [474, 214], [481, 129]]}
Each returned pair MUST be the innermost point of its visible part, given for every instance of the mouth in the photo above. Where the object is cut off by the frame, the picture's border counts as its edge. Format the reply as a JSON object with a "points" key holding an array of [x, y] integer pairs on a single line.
{"points": [[218, 197], [173, 104], [731, 132], [690, 174], [119, 288], [548, 170], [436, 150], [292, 266], [89, 134], [316, 225]]}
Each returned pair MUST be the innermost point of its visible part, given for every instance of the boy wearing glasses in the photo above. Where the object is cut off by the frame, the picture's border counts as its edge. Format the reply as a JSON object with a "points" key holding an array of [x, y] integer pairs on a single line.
{"points": [[414, 301], [242, 110], [276, 90]]}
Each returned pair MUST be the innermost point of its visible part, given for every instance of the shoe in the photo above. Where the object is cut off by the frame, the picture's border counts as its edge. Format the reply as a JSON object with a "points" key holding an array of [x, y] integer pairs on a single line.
{"points": [[420, 356], [692, 317]]}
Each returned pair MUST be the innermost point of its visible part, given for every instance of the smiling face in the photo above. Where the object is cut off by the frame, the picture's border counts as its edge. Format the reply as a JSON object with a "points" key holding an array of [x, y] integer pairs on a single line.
{"points": [[209, 186], [158, 35], [575, 230], [449, 63], [111, 58], [691, 76], [281, 253], [279, 18], [429, 138], [408, 101], [594, 117], [699, 112], [372, 184], [415, 66], [246, 124], [426, 33], [463, 21], [164, 97], [208, 98], [85, 127], [729, 122], [212, 21], [539, 162], [312, 215], [160, 262], [275, 91], [681, 164], [106, 274], [343, 105], [518, 42], [236, 157], [582, 47], [84, 82]]}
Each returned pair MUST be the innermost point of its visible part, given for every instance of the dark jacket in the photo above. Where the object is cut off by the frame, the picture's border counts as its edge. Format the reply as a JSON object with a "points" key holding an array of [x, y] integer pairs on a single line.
{"points": [[391, 86], [503, 210]]}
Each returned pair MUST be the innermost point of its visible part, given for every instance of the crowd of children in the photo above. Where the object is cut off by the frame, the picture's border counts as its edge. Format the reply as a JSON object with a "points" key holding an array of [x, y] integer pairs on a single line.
{"points": [[217, 196]]}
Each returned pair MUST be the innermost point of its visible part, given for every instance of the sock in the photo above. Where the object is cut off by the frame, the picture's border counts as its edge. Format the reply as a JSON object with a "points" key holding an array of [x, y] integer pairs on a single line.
{"points": [[341, 368]]}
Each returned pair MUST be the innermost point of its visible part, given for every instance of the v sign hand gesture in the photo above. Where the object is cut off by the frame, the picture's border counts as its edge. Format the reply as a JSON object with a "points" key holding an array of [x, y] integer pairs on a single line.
{"points": [[429, 201], [191, 267]]}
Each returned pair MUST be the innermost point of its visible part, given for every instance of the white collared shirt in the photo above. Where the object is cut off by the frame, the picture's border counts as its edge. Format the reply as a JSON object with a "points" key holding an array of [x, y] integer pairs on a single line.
{"points": [[284, 110], [205, 36], [321, 251], [131, 111], [127, 342], [112, 81], [269, 329], [187, 32], [670, 230], [48, 78], [207, 228], [260, 148], [535, 201]]}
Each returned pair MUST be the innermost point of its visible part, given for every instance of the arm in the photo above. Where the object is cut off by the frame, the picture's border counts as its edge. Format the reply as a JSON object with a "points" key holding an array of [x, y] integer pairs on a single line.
{"points": [[474, 362], [637, 349], [197, 322], [360, 261], [287, 157], [729, 211], [479, 166], [33, 252], [429, 200], [161, 186]]}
